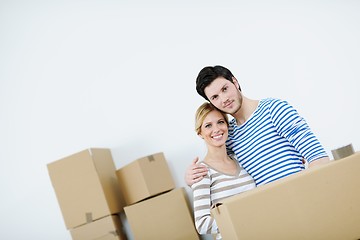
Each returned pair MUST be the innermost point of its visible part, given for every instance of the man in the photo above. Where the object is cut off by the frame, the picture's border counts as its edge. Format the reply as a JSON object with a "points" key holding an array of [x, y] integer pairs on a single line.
{"points": [[268, 136]]}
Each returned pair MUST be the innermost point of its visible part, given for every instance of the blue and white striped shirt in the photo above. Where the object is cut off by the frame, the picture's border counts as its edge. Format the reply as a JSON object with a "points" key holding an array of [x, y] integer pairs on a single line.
{"points": [[272, 142]]}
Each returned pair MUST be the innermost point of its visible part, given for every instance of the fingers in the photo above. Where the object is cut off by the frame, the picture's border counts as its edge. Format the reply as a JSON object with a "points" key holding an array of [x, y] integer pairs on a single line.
{"points": [[195, 161], [197, 177], [195, 172], [198, 170]]}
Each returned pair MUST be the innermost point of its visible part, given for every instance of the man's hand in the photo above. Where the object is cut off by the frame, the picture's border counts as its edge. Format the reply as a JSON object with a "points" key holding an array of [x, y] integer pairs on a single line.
{"points": [[195, 172], [319, 161]]}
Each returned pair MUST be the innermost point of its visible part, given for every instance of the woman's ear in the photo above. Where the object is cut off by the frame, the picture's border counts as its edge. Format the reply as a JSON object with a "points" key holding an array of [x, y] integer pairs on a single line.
{"points": [[199, 134]]}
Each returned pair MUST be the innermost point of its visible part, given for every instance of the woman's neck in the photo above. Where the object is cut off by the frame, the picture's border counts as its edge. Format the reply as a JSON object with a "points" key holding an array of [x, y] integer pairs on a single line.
{"points": [[216, 154]]}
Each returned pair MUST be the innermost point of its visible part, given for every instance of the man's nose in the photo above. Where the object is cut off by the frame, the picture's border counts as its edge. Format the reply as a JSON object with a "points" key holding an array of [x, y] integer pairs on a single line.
{"points": [[224, 98]]}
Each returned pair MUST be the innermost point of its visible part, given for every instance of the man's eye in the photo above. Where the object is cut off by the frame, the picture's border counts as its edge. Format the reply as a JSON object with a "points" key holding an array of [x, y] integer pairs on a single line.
{"points": [[214, 97], [224, 89]]}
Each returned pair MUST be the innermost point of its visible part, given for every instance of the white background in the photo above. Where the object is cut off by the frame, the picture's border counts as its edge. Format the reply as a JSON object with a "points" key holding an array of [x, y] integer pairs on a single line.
{"points": [[121, 75]]}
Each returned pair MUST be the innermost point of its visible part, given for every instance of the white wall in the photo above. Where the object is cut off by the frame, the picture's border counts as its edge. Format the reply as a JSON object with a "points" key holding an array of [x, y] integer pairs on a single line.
{"points": [[121, 75]]}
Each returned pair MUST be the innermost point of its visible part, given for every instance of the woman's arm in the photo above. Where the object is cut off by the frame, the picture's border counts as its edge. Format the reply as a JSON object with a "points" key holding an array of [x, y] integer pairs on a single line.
{"points": [[205, 224]]}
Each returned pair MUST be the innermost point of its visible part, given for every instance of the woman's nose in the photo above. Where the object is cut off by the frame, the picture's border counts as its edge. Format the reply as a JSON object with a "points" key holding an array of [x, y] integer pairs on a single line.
{"points": [[216, 129]]}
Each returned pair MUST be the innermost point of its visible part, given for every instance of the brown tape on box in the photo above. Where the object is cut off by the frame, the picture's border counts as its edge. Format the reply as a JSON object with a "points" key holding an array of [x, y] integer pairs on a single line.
{"points": [[151, 158], [343, 152], [89, 217]]}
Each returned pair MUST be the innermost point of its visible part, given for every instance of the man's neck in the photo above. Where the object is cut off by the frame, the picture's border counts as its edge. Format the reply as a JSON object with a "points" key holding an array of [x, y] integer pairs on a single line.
{"points": [[247, 109]]}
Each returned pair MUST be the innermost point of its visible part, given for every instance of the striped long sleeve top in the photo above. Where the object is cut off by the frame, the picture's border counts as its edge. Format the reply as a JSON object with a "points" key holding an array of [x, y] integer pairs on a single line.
{"points": [[273, 141], [212, 189]]}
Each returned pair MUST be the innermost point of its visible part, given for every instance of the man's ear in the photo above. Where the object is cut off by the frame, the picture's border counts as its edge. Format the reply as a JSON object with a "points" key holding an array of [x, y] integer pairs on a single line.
{"points": [[236, 83]]}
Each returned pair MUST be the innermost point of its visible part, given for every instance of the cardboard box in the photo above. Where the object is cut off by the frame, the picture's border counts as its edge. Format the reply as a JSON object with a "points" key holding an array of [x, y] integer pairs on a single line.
{"points": [[144, 178], [107, 228], [166, 216], [86, 186], [319, 203]]}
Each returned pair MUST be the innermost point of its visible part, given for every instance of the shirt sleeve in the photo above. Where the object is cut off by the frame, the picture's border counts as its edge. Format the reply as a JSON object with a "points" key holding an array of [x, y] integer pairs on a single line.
{"points": [[204, 223], [294, 128]]}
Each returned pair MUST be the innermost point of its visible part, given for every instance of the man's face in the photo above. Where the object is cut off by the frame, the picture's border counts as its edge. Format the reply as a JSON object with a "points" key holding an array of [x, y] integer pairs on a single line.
{"points": [[224, 95]]}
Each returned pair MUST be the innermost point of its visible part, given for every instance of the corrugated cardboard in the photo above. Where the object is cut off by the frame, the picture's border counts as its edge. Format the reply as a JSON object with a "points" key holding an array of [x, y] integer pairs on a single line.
{"points": [[166, 216], [319, 203], [86, 186], [107, 228], [144, 178]]}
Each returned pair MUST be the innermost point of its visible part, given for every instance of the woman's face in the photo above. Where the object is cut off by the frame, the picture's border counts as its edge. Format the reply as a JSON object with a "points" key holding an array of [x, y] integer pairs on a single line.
{"points": [[214, 129]]}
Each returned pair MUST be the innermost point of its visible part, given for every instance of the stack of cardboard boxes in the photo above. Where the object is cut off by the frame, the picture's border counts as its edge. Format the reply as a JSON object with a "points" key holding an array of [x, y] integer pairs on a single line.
{"points": [[92, 193], [155, 208], [319, 203], [88, 193]]}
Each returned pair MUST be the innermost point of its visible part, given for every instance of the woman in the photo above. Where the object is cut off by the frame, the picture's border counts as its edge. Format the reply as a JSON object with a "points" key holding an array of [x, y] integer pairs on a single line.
{"points": [[225, 177]]}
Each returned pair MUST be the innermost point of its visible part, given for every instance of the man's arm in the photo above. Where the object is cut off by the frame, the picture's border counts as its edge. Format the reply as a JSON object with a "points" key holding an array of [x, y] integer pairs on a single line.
{"points": [[290, 125], [195, 172], [319, 161]]}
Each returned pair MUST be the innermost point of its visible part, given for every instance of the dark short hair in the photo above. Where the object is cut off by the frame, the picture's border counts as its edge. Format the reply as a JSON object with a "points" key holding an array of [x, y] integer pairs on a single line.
{"points": [[208, 74]]}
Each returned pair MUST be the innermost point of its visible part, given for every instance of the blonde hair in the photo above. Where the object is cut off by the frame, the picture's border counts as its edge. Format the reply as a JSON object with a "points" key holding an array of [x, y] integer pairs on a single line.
{"points": [[202, 112]]}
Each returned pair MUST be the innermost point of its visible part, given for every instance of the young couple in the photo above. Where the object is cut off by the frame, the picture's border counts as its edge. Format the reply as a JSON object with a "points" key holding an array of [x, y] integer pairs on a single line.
{"points": [[266, 140]]}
